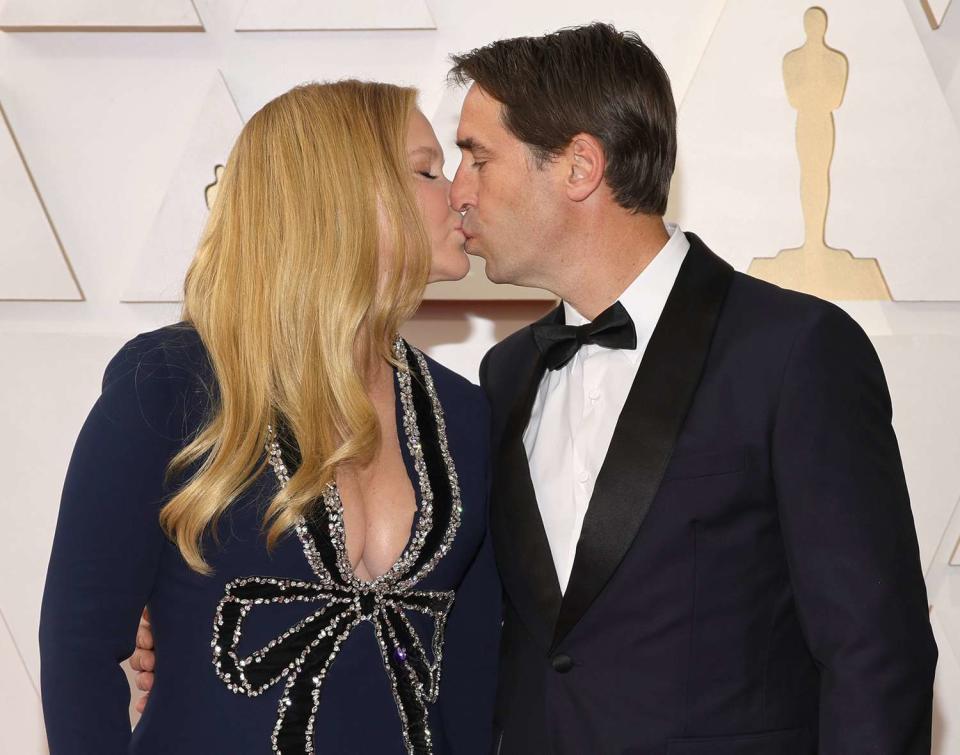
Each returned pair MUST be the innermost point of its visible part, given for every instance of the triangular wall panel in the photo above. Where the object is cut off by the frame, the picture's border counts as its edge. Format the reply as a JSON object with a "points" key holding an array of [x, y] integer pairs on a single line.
{"points": [[936, 10], [99, 15], [20, 700], [309, 15], [172, 241], [33, 263]]}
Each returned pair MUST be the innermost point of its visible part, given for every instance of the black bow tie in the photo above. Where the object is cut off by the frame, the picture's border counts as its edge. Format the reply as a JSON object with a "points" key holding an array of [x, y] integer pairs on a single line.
{"points": [[613, 329]]}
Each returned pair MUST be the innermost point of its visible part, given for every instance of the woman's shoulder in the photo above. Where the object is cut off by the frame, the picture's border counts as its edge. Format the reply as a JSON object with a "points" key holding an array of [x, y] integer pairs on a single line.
{"points": [[449, 380], [454, 390], [160, 379], [177, 344]]}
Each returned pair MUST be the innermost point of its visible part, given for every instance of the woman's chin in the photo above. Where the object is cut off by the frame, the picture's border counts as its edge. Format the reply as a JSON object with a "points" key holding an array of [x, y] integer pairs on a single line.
{"points": [[454, 270], [448, 276], [465, 268]]}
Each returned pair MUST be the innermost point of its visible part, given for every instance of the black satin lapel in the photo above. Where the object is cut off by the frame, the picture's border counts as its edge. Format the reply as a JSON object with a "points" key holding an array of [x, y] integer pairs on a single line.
{"points": [[647, 428], [523, 551]]}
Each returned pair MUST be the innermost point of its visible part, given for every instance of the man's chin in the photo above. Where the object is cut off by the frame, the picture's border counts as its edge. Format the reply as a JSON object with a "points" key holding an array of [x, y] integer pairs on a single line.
{"points": [[489, 268], [491, 272]]}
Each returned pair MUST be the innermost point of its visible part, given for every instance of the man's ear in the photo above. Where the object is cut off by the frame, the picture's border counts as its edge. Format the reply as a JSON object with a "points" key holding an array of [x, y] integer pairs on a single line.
{"points": [[584, 164]]}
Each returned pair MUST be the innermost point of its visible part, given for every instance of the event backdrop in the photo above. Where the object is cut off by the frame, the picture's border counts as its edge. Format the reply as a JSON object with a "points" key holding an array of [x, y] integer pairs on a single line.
{"points": [[818, 148]]}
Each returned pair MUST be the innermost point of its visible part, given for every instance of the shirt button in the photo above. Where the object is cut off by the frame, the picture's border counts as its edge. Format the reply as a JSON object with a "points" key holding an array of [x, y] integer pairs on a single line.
{"points": [[561, 663], [594, 395], [584, 476]]}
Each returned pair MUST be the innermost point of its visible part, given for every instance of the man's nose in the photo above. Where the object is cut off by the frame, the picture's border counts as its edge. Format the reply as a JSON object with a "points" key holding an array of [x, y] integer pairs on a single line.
{"points": [[461, 194]]}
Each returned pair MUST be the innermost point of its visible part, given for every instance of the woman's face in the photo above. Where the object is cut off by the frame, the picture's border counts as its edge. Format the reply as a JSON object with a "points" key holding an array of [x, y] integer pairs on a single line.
{"points": [[443, 224]]}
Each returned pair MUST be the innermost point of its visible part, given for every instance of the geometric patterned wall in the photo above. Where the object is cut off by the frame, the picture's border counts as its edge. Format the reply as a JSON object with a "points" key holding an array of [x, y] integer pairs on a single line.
{"points": [[113, 126]]}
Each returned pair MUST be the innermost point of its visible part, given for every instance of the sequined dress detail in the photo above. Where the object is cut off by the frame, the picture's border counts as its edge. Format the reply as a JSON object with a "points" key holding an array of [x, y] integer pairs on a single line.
{"points": [[301, 656]]}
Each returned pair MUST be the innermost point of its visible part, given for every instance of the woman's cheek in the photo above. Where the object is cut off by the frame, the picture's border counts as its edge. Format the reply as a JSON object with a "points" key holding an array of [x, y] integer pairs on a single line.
{"points": [[427, 200]]}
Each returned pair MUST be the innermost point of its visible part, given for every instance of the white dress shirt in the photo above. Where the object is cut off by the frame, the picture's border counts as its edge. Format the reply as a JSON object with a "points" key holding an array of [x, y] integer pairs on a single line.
{"points": [[578, 405]]}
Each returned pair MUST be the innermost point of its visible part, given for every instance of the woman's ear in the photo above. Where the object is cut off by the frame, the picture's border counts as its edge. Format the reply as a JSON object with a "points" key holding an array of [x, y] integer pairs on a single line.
{"points": [[585, 164]]}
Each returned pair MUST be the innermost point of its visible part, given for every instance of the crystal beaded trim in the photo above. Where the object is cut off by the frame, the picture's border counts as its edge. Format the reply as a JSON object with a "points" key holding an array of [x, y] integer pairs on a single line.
{"points": [[304, 652]]}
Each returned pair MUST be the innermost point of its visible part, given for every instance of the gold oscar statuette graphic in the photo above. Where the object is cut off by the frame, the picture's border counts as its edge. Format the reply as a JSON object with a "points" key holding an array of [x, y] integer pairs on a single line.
{"points": [[815, 77], [210, 190]]}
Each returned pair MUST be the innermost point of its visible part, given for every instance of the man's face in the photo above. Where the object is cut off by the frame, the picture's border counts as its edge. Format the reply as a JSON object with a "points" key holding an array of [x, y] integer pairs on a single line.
{"points": [[511, 206]]}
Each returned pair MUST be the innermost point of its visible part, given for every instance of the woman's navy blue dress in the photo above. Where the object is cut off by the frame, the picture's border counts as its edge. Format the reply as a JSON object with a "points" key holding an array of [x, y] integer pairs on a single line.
{"points": [[274, 652]]}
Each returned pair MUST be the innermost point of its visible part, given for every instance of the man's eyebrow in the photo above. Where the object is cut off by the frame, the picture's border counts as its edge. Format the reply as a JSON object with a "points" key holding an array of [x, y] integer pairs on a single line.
{"points": [[472, 145]]}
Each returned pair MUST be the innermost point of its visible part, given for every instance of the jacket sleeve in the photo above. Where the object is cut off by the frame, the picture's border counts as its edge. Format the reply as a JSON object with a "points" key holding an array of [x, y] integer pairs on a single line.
{"points": [[851, 543], [105, 554], [468, 684]]}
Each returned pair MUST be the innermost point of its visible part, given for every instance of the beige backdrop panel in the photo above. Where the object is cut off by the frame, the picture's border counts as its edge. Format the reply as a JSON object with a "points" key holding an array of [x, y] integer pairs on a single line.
{"points": [[306, 15]]}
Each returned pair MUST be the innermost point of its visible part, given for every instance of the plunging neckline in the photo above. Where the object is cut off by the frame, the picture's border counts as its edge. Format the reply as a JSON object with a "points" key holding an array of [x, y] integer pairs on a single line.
{"points": [[429, 466], [304, 652], [348, 571]]}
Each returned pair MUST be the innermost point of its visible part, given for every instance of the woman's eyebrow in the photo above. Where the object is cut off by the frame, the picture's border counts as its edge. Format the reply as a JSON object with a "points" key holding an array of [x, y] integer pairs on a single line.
{"points": [[430, 151]]}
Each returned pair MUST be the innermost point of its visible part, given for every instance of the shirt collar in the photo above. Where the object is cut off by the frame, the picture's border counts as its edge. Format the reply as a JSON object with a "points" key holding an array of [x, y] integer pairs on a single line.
{"points": [[646, 296]]}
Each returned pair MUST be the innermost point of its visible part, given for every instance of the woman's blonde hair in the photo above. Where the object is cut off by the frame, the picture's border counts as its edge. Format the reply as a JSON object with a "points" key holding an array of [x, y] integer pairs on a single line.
{"points": [[293, 297]]}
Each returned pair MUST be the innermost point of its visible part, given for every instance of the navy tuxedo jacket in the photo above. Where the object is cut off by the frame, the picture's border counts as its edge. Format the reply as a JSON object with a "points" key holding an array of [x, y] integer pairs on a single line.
{"points": [[747, 581]]}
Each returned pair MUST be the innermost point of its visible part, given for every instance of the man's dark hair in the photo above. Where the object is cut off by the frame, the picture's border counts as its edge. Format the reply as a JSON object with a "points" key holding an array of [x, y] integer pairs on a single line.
{"points": [[588, 79]]}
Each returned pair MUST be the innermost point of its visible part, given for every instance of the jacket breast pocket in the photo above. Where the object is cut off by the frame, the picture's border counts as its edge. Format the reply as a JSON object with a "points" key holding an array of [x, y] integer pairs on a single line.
{"points": [[689, 464], [781, 742]]}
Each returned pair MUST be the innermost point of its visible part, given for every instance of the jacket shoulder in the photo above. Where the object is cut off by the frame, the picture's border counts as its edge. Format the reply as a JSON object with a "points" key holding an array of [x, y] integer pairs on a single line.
{"points": [[502, 358], [757, 306]]}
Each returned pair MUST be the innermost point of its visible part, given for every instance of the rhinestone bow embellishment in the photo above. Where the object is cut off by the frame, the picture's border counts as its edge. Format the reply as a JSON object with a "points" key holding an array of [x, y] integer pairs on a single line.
{"points": [[304, 653]]}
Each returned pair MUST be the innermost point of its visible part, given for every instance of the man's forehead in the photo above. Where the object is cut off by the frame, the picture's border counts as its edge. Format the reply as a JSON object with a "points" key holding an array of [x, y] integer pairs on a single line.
{"points": [[479, 117], [478, 102]]}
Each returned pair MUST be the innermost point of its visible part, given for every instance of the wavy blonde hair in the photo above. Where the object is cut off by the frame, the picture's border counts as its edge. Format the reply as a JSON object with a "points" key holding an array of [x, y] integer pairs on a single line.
{"points": [[292, 296]]}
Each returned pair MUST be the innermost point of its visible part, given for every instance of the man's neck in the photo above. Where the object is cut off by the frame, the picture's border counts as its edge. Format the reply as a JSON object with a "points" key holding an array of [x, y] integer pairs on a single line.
{"points": [[617, 253]]}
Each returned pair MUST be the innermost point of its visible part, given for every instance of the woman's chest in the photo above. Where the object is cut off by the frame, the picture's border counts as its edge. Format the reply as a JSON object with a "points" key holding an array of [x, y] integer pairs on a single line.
{"points": [[378, 511]]}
